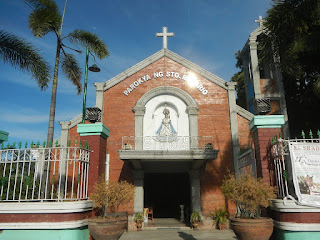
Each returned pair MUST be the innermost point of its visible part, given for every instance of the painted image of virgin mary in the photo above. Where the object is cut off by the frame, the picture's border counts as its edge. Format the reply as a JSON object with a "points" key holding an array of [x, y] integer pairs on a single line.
{"points": [[166, 128]]}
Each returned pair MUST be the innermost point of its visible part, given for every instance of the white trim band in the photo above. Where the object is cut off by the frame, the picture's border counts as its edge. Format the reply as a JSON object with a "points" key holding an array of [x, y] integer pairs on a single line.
{"points": [[45, 207], [281, 205], [297, 227], [45, 225]]}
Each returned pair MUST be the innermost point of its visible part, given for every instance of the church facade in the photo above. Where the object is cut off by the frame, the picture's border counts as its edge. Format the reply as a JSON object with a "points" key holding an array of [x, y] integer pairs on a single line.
{"points": [[175, 132]]}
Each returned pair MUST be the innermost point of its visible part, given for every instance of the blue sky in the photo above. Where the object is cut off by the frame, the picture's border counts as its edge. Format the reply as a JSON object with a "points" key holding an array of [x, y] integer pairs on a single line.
{"points": [[207, 32]]}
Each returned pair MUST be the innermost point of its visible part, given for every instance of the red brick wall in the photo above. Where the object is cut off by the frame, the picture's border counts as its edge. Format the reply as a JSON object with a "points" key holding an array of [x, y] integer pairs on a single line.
{"points": [[245, 138], [213, 120], [97, 158], [296, 217], [43, 217], [262, 141]]}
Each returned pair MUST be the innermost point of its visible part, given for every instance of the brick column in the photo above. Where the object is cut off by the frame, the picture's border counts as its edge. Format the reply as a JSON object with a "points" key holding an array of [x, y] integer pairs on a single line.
{"points": [[96, 135], [263, 129]]}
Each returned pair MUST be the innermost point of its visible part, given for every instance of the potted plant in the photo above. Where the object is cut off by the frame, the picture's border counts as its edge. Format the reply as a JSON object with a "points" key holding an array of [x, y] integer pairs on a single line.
{"points": [[138, 218], [111, 195], [250, 195], [220, 217], [195, 219]]}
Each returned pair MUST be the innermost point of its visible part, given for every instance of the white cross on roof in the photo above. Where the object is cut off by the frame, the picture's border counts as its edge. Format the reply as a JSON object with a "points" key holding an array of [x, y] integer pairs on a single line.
{"points": [[164, 34], [260, 21]]}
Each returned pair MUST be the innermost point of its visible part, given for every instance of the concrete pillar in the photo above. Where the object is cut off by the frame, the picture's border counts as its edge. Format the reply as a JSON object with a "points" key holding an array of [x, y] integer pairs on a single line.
{"points": [[233, 123], [193, 125], [99, 96], [247, 79], [283, 104], [139, 112], [64, 133], [253, 45], [195, 190], [63, 155], [138, 176], [96, 135], [263, 129]]}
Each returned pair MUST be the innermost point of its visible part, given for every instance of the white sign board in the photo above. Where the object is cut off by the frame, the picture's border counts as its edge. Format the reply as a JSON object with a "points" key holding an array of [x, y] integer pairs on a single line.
{"points": [[305, 158]]}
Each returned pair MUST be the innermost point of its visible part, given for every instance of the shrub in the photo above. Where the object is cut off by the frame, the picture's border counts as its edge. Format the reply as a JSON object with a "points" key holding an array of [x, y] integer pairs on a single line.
{"points": [[248, 193], [111, 194]]}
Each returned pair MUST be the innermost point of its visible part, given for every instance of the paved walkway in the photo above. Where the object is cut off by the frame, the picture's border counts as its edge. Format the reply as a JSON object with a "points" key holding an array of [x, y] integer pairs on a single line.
{"points": [[173, 229], [175, 234]]}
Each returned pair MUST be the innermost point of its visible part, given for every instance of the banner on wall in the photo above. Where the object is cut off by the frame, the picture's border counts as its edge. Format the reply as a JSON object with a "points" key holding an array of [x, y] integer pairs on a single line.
{"points": [[305, 158]]}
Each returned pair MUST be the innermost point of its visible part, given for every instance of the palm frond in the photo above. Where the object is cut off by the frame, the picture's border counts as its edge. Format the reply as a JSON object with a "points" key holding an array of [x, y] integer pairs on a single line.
{"points": [[46, 17], [87, 39], [19, 53], [72, 70], [38, 4]]}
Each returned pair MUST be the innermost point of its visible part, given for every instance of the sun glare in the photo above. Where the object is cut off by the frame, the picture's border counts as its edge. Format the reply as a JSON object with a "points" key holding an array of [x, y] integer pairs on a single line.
{"points": [[192, 80]]}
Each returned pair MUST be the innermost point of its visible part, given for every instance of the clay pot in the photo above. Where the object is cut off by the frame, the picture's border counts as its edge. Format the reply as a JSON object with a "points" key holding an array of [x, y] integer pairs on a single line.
{"points": [[139, 225], [195, 225], [107, 229], [252, 229], [222, 226]]}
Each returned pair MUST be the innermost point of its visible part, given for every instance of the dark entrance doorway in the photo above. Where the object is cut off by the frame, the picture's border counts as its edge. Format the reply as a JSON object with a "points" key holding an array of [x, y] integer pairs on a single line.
{"points": [[165, 192]]}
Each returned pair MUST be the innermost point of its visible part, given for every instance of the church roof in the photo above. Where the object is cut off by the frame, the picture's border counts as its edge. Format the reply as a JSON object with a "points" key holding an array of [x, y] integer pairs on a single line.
{"points": [[173, 56]]}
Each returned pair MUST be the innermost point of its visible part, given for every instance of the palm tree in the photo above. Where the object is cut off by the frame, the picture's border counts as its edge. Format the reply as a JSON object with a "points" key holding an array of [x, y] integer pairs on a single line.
{"points": [[46, 18], [20, 53]]}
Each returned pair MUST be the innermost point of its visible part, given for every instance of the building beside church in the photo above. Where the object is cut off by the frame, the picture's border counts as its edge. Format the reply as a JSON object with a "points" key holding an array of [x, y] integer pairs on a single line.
{"points": [[175, 132], [263, 79]]}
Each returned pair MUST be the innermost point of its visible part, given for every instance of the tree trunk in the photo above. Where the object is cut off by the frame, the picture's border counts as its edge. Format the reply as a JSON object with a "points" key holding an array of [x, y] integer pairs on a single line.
{"points": [[53, 95], [45, 178]]}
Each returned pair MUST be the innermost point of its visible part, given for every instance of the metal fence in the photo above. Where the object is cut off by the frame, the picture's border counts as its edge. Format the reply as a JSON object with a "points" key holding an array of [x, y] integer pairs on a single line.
{"points": [[42, 174], [280, 151], [281, 156], [167, 142]]}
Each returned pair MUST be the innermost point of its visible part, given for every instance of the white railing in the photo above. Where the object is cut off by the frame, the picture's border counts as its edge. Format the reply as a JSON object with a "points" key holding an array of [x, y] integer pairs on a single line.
{"points": [[279, 152], [42, 174], [281, 155], [167, 143]]}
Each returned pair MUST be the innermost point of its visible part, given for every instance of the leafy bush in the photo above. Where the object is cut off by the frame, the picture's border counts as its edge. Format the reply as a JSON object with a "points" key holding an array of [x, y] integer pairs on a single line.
{"points": [[248, 193], [220, 216], [138, 217], [111, 194], [195, 217]]}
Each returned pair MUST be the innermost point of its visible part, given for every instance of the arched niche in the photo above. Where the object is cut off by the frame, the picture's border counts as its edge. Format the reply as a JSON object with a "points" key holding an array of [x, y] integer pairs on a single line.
{"points": [[181, 104]]}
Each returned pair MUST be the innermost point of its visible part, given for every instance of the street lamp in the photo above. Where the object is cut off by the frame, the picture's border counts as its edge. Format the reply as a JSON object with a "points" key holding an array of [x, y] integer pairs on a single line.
{"points": [[93, 68]]}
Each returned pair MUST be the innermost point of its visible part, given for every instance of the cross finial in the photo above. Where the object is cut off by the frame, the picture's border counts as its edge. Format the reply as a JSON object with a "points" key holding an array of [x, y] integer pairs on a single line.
{"points": [[260, 21], [165, 34]]}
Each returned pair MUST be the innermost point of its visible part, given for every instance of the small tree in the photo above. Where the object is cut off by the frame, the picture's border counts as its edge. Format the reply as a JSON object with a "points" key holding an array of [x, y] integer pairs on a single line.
{"points": [[119, 193], [112, 194], [248, 193]]}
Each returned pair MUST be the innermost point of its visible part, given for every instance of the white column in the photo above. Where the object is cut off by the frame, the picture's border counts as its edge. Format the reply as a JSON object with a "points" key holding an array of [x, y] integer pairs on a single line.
{"points": [[63, 155], [253, 45], [64, 133], [247, 79], [139, 114], [99, 96], [138, 176], [195, 190], [193, 125], [233, 123]]}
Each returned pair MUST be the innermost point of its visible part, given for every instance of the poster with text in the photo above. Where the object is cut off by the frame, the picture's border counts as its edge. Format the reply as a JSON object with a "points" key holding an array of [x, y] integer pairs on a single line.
{"points": [[305, 158]]}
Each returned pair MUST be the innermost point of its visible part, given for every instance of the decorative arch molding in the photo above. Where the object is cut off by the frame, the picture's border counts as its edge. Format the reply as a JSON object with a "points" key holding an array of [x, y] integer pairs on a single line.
{"points": [[167, 90], [192, 111]]}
